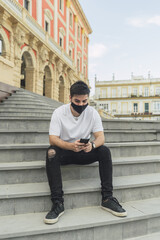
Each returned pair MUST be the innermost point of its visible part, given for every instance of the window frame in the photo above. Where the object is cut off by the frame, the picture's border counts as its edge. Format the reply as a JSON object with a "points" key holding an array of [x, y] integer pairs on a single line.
{"points": [[146, 111], [61, 6], [1, 46], [79, 31], [70, 19], [61, 37], [78, 64], [29, 5], [135, 107]]}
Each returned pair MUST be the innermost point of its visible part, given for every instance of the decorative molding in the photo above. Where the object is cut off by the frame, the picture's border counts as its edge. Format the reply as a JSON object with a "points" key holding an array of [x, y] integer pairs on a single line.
{"points": [[62, 31], [71, 44], [48, 14]]}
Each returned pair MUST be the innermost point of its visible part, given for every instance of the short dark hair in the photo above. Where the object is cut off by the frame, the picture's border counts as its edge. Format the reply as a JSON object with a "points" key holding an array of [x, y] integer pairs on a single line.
{"points": [[79, 88]]}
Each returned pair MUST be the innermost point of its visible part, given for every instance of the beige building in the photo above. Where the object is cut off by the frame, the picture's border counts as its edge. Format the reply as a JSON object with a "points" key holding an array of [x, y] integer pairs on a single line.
{"points": [[43, 45], [137, 98]]}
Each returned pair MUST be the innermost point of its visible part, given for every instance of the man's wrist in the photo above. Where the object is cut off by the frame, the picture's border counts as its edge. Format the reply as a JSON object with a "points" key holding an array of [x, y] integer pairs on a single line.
{"points": [[93, 145]]}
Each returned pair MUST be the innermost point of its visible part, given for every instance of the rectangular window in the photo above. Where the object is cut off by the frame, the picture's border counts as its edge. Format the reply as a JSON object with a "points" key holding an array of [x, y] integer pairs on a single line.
{"points": [[71, 19], [105, 106], [158, 91], [114, 108], [79, 32], [26, 4], [84, 71], [46, 26], [135, 107], [61, 6], [135, 91], [114, 92], [1, 46], [146, 91], [124, 107], [124, 92], [70, 53], [84, 42], [156, 106], [146, 107], [104, 93], [78, 64], [60, 41]]}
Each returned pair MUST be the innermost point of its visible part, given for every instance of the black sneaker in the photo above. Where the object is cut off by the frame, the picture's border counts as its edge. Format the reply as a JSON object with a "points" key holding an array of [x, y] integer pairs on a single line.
{"points": [[112, 205], [56, 211]]}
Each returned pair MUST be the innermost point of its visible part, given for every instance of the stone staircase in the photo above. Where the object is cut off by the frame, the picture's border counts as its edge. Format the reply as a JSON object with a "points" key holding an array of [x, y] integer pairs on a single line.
{"points": [[24, 191]]}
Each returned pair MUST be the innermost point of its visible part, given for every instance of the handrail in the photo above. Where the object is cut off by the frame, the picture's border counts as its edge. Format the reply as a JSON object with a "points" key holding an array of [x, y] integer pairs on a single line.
{"points": [[6, 91]]}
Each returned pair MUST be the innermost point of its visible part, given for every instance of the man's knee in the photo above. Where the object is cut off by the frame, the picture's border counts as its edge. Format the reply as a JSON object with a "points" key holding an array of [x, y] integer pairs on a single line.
{"points": [[51, 153], [104, 150]]}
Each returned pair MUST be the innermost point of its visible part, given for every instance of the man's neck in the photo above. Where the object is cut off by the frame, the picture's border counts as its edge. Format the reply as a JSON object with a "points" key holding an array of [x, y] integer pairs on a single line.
{"points": [[74, 113]]}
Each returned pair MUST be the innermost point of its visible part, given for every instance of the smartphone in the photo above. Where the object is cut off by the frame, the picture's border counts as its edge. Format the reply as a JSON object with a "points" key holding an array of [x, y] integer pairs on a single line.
{"points": [[84, 140]]}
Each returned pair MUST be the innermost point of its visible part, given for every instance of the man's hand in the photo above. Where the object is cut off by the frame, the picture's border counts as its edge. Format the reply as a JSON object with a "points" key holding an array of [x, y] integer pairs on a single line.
{"points": [[87, 147], [77, 146]]}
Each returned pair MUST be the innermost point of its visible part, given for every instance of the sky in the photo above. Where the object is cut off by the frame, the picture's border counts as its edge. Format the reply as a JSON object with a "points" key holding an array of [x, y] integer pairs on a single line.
{"points": [[125, 39]]}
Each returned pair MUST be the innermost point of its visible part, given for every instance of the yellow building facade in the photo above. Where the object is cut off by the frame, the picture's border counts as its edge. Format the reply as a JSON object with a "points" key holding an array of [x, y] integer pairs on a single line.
{"points": [[135, 98]]}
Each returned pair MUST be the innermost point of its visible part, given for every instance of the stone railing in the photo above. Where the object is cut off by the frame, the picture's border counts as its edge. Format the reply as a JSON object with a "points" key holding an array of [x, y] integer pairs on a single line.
{"points": [[6, 91], [105, 114]]}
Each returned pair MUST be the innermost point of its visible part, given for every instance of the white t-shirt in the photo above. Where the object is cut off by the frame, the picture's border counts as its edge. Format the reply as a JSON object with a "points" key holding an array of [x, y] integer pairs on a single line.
{"points": [[70, 128]]}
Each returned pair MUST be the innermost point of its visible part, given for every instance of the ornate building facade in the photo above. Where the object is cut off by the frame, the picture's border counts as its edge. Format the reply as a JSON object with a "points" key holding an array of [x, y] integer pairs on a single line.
{"points": [[137, 98], [43, 45]]}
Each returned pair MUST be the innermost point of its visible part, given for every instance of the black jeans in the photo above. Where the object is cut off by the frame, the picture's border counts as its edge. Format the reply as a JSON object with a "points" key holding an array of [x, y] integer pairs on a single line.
{"points": [[63, 157]]}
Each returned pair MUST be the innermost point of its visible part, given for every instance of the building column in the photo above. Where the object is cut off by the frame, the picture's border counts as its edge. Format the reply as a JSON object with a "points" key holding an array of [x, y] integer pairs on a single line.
{"points": [[67, 25], [30, 79], [39, 12], [75, 50], [56, 20], [83, 50]]}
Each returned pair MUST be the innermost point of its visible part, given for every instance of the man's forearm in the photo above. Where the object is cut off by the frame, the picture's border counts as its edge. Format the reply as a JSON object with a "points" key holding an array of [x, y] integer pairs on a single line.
{"points": [[56, 141], [99, 141]]}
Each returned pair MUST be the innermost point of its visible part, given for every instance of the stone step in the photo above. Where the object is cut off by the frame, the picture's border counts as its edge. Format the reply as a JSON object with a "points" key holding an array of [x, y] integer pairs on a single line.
{"points": [[25, 114], [19, 96], [117, 124], [153, 236], [24, 123], [34, 171], [78, 193], [132, 135], [28, 152], [38, 136], [25, 105], [23, 101], [108, 125], [85, 223], [28, 110]]}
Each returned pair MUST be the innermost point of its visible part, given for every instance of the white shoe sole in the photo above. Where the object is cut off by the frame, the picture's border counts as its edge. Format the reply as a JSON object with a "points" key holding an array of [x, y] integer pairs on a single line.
{"points": [[52, 221], [123, 214]]}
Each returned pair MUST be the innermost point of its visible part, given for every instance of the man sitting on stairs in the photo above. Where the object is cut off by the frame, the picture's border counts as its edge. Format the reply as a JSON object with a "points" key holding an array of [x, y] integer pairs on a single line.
{"points": [[70, 123]]}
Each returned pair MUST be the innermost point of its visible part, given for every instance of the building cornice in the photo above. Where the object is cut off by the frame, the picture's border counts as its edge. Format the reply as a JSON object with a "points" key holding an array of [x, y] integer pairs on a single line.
{"points": [[126, 84], [79, 9]]}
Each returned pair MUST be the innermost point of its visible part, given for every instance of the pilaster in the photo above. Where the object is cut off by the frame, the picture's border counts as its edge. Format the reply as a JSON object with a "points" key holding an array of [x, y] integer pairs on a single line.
{"points": [[56, 21], [75, 52]]}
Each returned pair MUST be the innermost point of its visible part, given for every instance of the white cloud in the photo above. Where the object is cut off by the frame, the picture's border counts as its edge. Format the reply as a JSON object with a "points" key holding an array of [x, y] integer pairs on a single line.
{"points": [[97, 50], [137, 22], [142, 22], [155, 20]]}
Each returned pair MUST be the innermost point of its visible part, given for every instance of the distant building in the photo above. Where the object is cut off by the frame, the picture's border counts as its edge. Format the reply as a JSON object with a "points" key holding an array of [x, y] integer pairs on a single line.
{"points": [[43, 45], [135, 98]]}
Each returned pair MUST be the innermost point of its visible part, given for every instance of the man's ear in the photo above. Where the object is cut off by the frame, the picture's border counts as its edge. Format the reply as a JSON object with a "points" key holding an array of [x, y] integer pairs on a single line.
{"points": [[70, 98]]}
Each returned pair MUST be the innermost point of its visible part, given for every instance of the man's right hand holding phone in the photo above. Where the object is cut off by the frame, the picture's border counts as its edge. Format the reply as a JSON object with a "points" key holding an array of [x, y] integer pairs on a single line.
{"points": [[79, 145]]}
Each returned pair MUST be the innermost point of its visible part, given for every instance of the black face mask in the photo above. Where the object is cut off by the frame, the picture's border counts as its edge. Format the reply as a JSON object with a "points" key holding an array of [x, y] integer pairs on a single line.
{"points": [[79, 109]]}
